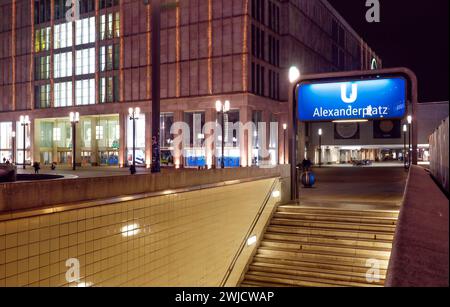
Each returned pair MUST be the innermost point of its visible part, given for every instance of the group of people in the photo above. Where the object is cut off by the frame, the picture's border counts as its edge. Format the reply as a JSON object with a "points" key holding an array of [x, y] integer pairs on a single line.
{"points": [[36, 165], [6, 161]]}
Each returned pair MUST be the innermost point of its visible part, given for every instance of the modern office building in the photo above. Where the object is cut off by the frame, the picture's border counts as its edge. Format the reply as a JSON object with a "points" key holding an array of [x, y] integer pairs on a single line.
{"points": [[100, 65]]}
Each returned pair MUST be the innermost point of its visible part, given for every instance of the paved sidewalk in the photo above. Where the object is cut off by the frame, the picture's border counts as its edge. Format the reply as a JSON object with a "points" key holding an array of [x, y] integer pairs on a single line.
{"points": [[376, 187]]}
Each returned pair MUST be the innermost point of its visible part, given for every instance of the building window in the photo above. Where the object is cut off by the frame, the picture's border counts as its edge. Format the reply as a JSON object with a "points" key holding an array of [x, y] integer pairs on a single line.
{"points": [[42, 11], [42, 67], [63, 94], [61, 9], [109, 57], [6, 141], [42, 39], [85, 31], [85, 61], [109, 26], [63, 35], [42, 96], [62, 65], [108, 3], [87, 6], [109, 89], [85, 92]]}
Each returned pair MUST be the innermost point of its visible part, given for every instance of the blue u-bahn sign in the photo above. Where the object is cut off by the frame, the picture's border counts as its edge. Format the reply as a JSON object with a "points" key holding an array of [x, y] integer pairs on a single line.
{"points": [[352, 100]]}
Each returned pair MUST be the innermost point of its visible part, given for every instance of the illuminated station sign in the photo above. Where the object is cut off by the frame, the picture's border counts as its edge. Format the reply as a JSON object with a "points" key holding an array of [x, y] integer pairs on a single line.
{"points": [[373, 99]]}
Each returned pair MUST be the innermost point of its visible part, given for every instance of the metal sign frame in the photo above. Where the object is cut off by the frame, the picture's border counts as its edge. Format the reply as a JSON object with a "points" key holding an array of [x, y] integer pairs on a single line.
{"points": [[411, 102]]}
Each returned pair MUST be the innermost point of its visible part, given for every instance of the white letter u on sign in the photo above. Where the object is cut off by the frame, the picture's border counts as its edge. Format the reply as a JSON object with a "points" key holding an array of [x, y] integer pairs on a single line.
{"points": [[353, 95]]}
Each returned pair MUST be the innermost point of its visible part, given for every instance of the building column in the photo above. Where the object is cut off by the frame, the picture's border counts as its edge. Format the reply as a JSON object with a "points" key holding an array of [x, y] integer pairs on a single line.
{"points": [[35, 152], [78, 144], [94, 143], [210, 120], [178, 158], [245, 140], [148, 139], [123, 139]]}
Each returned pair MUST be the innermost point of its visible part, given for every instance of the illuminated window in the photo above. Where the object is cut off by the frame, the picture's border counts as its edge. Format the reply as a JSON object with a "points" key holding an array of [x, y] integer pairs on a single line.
{"points": [[85, 92], [63, 65], [63, 94], [56, 134], [109, 89], [42, 96], [85, 31], [42, 67], [109, 57], [99, 133], [85, 61], [109, 26], [42, 39], [63, 35]]}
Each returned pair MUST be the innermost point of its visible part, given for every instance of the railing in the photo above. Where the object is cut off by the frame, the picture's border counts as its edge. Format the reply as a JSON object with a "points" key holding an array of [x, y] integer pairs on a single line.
{"points": [[249, 233]]}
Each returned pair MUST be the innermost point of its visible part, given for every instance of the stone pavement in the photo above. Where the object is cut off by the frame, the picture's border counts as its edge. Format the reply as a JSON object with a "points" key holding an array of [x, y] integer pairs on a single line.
{"points": [[372, 187]]}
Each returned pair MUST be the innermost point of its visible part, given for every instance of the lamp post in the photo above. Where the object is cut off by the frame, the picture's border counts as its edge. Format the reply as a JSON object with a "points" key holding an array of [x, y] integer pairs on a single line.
{"points": [[13, 147], [223, 108], [405, 129], [294, 76], [74, 118], [134, 116], [25, 122], [410, 119], [284, 143], [320, 132]]}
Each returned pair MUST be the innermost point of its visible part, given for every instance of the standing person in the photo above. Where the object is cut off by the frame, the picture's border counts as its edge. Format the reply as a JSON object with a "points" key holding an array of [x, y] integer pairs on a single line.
{"points": [[36, 167]]}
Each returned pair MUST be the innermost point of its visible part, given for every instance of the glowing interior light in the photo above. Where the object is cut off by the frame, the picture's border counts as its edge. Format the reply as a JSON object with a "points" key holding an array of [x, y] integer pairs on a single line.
{"points": [[251, 240], [276, 194], [130, 230], [84, 284]]}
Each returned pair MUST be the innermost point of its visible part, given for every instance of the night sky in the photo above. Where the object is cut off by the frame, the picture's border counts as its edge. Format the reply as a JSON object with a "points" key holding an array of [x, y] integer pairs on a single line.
{"points": [[412, 34]]}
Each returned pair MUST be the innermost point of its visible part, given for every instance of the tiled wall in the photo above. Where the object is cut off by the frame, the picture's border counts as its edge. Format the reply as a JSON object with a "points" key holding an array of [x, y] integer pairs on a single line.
{"points": [[186, 239]]}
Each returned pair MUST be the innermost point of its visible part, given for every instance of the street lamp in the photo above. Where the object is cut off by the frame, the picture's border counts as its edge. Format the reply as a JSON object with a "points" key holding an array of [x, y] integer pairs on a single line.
{"points": [[294, 76], [405, 129], [284, 143], [25, 122], [134, 116], [410, 120], [74, 118], [13, 146], [223, 109], [320, 132]]}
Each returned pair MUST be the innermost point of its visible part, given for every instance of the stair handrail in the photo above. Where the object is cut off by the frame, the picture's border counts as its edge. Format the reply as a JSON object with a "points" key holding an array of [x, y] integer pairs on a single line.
{"points": [[249, 232]]}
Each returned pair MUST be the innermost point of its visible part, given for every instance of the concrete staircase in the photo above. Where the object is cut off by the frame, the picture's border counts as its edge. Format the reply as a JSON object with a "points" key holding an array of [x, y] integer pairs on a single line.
{"points": [[322, 247]]}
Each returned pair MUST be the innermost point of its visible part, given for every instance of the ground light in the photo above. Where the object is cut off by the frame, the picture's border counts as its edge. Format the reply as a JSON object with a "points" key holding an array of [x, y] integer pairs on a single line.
{"points": [[252, 240]]}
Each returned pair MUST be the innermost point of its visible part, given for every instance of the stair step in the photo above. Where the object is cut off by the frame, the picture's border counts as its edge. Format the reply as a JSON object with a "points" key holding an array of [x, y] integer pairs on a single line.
{"points": [[319, 257], [301, 272], [341, 241], [330, 225], [322, 247], [335, 211], [336, 218], [314, 266], [331, 233], [329, 248], [302, 281]]}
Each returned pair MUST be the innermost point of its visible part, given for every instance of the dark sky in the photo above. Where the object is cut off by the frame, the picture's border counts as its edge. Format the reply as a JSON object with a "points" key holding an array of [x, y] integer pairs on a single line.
{"points": [[413, 34]]}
